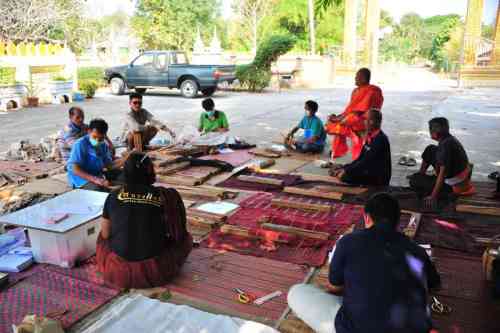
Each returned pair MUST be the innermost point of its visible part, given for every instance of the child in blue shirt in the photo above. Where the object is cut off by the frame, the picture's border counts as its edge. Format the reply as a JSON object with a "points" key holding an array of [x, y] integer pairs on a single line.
{"points": [[313, 139]]}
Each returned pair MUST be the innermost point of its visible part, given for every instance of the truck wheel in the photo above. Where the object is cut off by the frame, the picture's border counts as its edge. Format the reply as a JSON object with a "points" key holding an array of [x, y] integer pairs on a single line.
{"points": [[117, 86], [189, 88], [208, 91], [140, 90]]}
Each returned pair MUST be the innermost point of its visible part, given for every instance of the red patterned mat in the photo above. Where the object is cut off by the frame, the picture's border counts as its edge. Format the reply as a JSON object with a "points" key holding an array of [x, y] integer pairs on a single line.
{"points": [[47, 289], [208, 278], [236, 158], [299, 250]]}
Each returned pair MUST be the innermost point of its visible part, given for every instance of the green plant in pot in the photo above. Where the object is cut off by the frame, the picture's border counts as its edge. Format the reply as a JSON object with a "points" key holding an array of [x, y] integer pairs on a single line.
{"points": [[88, 87], [32, 91]]}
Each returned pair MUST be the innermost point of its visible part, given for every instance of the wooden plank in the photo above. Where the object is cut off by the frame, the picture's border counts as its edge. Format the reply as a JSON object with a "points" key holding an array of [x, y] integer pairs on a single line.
{"points": [[264, 153], [178, 180], [247, 233], [172, 168], [301, 205], [296, 231], [492, 211], [208, 216], [200, 221], [138, 141], [355, 190], [342, 189], [313, 193], [261, 180]]}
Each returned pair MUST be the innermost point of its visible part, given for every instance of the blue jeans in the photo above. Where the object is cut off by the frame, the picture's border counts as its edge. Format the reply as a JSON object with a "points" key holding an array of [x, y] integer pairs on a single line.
{"points": [[304, 147]]}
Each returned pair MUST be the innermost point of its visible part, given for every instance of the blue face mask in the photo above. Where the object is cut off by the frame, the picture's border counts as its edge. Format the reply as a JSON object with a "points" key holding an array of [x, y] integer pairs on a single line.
{"points": [[94, 142], [210, 114]]}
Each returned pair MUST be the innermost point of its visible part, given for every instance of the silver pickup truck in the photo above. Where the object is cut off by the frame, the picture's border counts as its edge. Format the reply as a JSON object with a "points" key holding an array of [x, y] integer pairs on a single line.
{"points": [[168, 69]]}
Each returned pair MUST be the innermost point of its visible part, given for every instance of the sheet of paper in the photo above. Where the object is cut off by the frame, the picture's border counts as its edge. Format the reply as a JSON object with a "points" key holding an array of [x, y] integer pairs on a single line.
{"points": [[219, 207]]}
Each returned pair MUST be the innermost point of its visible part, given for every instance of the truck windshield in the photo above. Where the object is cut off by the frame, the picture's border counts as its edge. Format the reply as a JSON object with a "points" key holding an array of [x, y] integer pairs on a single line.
{"points": [[179, 59]]}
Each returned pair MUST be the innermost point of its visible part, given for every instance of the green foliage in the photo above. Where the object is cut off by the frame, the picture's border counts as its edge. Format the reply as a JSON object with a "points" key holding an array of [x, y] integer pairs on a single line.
{"points": [[60, 78], [171, 24], [95, 74], [7, 75], [415, 38], [291, 17], [257, 75], [89, 87]]}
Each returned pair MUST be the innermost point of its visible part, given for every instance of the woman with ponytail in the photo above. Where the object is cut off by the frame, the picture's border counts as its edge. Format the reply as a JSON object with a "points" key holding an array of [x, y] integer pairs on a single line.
{"points": [[143, 241]]}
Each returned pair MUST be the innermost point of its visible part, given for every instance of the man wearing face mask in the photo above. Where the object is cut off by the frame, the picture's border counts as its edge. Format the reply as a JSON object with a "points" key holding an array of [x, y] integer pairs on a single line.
{"points": [[212, 120], [450, 163], [373, 167], [74, 130], [90, 157], [141, 121], [313, 140]]}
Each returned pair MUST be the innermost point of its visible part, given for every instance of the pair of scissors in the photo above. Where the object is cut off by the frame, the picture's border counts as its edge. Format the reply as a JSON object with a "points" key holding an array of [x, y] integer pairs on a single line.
{"points": [[439, 307], [244, 297]]}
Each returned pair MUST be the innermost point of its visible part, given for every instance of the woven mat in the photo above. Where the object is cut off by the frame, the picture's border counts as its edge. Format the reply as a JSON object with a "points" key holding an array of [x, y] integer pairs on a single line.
{"points": [[236, 158], [44, 290], [300, 251], [234, 182], [208, 278], [449, 234]]}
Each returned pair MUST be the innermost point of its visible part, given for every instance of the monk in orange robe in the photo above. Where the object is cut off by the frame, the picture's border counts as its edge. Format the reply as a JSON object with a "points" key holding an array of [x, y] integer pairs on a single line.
{"points": [[351, 123]]}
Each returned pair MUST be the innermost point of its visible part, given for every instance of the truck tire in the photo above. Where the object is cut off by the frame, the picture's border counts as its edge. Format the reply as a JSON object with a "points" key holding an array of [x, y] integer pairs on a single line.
{"points": [[208, 91], [117, 86], [140, 90], [189, 88]]}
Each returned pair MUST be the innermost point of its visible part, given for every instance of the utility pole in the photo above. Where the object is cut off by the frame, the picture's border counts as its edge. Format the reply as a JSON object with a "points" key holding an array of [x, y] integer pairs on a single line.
{"points": [[312, 33]]}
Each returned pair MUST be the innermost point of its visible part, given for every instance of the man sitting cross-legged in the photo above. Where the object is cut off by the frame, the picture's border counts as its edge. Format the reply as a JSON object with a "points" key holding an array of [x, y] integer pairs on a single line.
{"points": [[140, 121], [379, 280], [450, 163], [373, 167]]}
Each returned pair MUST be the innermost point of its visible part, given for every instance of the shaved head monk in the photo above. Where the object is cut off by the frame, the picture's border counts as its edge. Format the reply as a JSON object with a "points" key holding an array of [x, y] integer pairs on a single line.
{"points": [[351, 123]]}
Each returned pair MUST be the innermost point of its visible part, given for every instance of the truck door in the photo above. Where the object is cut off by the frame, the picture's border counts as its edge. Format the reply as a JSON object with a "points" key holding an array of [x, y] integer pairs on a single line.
{"points": [[141, 70], [160, 76]]}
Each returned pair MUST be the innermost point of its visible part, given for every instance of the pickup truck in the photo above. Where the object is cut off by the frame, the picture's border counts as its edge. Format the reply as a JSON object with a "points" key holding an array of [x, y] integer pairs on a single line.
{"points": [[169, 69]]}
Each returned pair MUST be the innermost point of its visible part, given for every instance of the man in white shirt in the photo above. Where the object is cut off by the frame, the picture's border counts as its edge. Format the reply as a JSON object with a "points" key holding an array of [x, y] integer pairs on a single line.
{"points": [[139, 120]]}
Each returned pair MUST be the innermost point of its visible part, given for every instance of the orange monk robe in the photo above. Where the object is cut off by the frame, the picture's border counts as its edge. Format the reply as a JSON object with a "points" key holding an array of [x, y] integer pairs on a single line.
{"points": [[353, 124]]}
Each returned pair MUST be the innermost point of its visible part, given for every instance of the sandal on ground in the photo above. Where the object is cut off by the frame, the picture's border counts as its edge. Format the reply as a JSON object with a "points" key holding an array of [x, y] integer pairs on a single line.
{"points": [[403, 160], [494, 175]]}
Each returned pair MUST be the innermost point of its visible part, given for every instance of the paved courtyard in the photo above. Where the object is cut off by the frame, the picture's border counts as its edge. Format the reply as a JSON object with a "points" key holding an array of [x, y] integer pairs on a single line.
{"points": [[474, 115]]}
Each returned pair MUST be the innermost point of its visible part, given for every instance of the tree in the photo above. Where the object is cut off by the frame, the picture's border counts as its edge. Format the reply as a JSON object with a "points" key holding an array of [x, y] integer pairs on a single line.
{"points": [[250, 15], [35, 19], [171, 24]]}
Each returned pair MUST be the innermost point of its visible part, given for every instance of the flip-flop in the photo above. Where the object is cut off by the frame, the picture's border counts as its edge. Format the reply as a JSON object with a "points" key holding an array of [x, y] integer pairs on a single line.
{"points": [[494, 175], [403, 160], [411, 162]]}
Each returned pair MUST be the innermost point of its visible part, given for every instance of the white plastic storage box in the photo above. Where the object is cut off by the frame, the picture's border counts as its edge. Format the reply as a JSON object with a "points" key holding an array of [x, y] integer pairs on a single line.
{"points": [[70, 240]]}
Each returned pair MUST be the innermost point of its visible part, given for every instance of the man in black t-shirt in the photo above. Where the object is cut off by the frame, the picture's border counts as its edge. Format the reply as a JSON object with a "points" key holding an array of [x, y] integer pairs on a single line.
{"points": [[450, 163], [379, 280], [373, 167]]}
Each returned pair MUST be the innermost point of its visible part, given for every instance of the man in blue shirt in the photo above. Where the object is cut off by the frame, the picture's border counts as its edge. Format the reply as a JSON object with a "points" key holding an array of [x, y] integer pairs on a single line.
{"points": [[90, 157], [379, 280], [313, 140]]}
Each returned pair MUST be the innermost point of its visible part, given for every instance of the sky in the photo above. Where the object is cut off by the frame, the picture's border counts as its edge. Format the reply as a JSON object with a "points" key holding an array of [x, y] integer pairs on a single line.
{"points": [[397, 8]]}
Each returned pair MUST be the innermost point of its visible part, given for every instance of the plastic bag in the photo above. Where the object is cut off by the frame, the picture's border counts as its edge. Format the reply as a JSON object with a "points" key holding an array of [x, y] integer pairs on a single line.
{"points": [[188, 134]]}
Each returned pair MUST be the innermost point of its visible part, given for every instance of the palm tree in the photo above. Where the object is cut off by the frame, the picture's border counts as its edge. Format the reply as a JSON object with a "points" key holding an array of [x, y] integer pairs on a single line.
{"points": [[322, 5]]}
